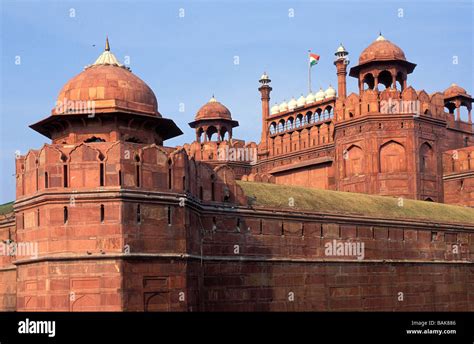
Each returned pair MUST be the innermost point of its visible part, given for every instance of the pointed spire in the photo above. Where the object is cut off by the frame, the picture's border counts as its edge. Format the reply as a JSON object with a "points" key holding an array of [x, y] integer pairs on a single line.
{"points": [[213, 99], [380, 37], [107, 58]]}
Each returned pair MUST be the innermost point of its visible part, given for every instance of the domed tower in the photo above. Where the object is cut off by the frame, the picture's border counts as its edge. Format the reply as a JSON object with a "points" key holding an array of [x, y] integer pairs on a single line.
{"points": [[213, 118], [454, 98], [106, 102], [384, 143], [104, 190], [341, 61], [382, 63]]}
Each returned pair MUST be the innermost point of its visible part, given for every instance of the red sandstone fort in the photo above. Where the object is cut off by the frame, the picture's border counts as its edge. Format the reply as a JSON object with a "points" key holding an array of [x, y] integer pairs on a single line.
{"points": [[108, 218]]}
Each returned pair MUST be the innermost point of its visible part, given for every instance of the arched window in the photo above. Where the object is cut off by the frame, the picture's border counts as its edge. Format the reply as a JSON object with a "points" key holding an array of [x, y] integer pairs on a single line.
{"points": [[353, 161], [400, 81], [328, 112], [200, 134], [392, 157], [224, 135], [133, 140], [450, 107], [298, 121], [94, 139], [368, 82], [211, 133], [281, 126], [273, 128], [385, 78], [427, 160]]}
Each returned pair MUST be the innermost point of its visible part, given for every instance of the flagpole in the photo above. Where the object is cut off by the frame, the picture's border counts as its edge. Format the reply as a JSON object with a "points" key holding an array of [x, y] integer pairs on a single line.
{"points": [[309, 71]]}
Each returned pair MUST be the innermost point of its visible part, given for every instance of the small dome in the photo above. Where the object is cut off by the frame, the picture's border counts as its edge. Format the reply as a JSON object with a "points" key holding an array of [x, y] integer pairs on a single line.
{"points": [[283, 107], [292, 103], [275, 109], [309, 98], [330, 92], [320, 95], [381, 50], [301, 101], [264, 76], [454, 90], [213, 110]]}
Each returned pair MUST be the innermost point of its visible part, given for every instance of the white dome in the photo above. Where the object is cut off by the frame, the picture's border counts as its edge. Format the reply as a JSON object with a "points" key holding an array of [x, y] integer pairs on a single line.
{"points": [[283, 107], [275, 109], [330, 92], [292, 103], [341, 49], [320, 95], [309, 98], [380, 38], [301, 101]]}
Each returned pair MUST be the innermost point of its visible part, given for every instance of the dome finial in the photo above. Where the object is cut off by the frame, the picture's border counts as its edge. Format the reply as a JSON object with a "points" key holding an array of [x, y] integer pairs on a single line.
{"points": [[107, 46], [264, 79], [213, 99], [380, 37]]}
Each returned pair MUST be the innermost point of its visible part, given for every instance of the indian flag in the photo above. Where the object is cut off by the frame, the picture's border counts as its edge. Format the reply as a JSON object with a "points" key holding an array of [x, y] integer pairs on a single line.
{"points": [[313, 59]]}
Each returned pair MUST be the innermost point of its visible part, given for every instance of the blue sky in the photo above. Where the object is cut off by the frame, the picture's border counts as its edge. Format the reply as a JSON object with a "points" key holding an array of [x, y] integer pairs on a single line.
{"points": [[187, 59]]}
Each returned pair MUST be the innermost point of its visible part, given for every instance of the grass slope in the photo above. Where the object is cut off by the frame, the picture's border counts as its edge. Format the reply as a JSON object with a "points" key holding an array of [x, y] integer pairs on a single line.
{"points": [[273, 195], [6, 208]]}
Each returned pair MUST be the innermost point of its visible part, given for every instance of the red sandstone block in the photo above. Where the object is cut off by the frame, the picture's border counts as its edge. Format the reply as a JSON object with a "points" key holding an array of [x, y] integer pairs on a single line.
{"points": [[352, 279], [395, 234], [292, 228], [344, 304], [312, 229], [330, 230], [344, 291], [364, 232], [380, 302], [380, 233], [271, 227], [348, 232]]}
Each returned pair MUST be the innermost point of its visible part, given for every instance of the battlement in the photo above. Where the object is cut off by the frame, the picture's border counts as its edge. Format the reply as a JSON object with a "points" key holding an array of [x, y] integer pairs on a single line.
{"points": [[458, 176]]}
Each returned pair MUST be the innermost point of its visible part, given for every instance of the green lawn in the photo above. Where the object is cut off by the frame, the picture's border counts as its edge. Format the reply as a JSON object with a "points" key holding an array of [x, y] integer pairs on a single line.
{"points": [[273, 195], [6, 208]]}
